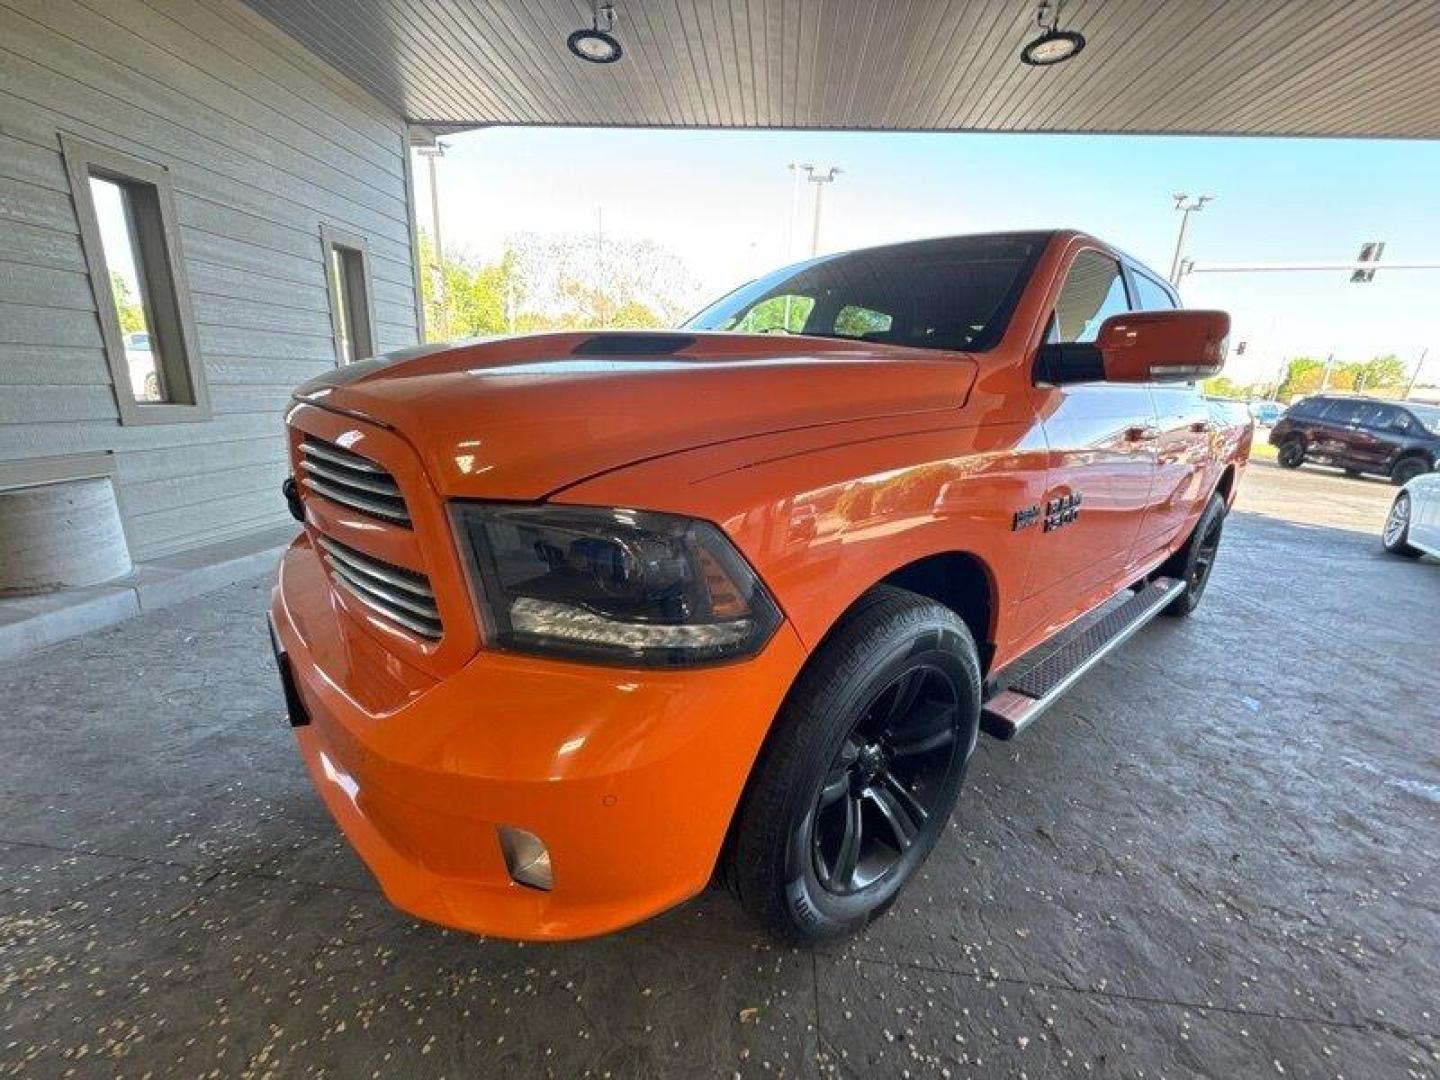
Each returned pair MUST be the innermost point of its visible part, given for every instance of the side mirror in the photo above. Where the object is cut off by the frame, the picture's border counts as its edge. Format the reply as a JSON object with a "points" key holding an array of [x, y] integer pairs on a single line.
{"points": [[1143, 347]]}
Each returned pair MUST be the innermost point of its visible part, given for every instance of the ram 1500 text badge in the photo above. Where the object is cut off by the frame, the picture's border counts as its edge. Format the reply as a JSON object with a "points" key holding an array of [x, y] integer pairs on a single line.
{"points": [[578, 619]]}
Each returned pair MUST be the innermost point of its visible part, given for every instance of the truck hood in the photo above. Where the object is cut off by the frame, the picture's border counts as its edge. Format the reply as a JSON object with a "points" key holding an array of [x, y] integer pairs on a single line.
{"points": [[521, 417]]}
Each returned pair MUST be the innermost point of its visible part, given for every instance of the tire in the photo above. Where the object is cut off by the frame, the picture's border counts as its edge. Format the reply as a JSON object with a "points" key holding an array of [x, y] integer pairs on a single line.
{"points": [[823, 841], [1292, 453], [1396, 534], [1194, 562], [1407, 469], [1353, 474]]}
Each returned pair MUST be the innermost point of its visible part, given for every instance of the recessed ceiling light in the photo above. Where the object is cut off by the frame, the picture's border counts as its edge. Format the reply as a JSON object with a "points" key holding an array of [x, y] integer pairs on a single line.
{"points": [[1053, 46], [597, 45]]}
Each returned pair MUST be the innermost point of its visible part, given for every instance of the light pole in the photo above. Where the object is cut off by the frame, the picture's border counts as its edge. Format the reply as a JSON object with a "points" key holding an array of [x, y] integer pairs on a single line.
{"points": [[1186, 206], [796, 168], [437, 271], [1416, 377], [820, 180]]}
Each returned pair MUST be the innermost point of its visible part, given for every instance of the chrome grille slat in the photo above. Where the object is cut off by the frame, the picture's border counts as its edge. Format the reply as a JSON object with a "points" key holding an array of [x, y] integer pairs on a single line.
{"points": [[345, 477], [402, 596], [378, 485], [336, 456], [408, 580]]}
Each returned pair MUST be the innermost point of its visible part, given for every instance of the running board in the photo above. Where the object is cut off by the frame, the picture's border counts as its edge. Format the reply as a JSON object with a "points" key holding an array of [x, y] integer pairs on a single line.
{"points": [[1012, 709]]}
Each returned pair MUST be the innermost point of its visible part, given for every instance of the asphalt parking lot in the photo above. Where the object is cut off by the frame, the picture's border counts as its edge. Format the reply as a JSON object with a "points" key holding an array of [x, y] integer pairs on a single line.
{"points": [[1217, 857]]}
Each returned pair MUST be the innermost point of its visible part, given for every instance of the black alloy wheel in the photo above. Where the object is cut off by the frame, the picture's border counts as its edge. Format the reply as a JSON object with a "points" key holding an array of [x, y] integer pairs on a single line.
{"points": [[1292, 454], [1194, 562], [1407, 469], [884, 783], [860, 771]]}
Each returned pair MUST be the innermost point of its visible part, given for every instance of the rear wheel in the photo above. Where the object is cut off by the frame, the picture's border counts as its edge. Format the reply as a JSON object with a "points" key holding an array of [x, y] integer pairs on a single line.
{"points": [[861, 771], [1194, 562], [1292, 453], [1396, 534], [1407, 469]]}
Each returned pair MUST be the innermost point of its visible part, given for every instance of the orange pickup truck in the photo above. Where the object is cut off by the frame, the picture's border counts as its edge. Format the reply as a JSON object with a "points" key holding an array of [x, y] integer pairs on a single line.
{"points": [[579, 622]]}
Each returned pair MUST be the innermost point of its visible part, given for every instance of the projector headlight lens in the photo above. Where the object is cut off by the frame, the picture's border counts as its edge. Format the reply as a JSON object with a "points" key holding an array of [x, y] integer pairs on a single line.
{"points": [[613, 586]]}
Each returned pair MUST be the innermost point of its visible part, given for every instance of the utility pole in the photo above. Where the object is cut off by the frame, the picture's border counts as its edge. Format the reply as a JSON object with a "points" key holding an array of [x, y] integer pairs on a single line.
{"points": [[600, 264], [437, 270], [796, 168], [1325, 378], [820, 180], [1416, 377], [1186, 206]]}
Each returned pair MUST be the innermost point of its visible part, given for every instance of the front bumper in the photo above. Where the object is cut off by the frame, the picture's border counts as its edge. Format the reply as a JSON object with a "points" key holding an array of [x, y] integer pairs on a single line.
{"points": [[629, 777]]}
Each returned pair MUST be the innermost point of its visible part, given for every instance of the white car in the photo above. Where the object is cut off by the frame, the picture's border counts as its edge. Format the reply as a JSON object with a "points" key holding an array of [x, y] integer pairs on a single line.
{"points": [[1412, 528], [144, 379]]}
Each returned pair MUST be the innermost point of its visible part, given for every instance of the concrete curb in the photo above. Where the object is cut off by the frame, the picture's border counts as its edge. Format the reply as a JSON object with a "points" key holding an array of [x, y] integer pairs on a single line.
{"points": [[28, 623]]}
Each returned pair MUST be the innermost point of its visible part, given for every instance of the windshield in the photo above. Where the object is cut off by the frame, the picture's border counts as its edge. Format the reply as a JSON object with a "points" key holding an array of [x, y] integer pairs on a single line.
{"points": [[1429, 415], [933, 294]]}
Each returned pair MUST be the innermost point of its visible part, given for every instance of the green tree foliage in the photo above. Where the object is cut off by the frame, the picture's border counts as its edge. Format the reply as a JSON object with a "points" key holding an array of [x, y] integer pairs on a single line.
{"points": [[132, 315], [554, 283], [1306, 374]]}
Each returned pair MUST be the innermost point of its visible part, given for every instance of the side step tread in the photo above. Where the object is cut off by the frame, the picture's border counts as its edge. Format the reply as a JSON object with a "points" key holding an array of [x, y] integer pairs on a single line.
{"points": [[1010, 710]]}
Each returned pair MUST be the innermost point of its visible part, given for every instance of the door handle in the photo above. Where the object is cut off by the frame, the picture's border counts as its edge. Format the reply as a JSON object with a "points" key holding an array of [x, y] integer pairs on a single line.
{"points": [[1141, 433]]}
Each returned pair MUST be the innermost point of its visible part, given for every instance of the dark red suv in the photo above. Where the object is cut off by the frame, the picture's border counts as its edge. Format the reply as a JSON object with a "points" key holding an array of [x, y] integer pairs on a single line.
{"points": [[1397, 439]]}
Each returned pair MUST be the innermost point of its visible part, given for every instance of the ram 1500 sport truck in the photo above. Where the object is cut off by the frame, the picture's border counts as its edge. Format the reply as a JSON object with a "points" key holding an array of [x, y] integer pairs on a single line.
{"points": [[579, 622]]}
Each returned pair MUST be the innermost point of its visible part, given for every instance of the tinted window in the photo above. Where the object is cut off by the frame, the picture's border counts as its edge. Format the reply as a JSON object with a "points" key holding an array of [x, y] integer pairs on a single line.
{"points": [[1094, 290], [1428, 416], [1343, 412], [936, 294], [1378, 416], [1150, 295]]}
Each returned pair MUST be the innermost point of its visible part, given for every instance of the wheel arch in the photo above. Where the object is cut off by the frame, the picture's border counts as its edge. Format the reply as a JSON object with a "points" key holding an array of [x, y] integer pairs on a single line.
{"points": [[1225, 487]]}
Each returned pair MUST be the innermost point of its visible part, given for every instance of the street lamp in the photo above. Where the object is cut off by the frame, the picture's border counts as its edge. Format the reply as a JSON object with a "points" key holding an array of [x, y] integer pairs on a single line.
{"points": [[820, 180], [1186, 206], [433, 153]]}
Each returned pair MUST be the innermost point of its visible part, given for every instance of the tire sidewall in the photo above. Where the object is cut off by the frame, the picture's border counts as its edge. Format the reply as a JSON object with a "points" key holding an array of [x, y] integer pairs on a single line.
{"points": [[1292, 453], [1407, 469], [815, 911]]}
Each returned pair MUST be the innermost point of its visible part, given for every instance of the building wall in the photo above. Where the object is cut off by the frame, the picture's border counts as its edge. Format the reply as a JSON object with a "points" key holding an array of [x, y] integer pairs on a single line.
{"points": [[264, 144]]}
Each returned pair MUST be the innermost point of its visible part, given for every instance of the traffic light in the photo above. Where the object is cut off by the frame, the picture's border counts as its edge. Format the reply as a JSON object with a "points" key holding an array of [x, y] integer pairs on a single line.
{"points": [[1240, 348], [1370, 253]]}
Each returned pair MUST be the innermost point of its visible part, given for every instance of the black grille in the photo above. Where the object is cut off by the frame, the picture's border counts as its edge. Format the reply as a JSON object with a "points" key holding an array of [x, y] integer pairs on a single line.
{"points": [[351, 480], [400, 595]]}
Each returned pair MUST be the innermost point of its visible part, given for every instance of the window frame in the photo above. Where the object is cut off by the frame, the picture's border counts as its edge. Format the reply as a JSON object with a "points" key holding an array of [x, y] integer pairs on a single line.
{"points": [[332, 239], [1053, 322], [160, 260]]}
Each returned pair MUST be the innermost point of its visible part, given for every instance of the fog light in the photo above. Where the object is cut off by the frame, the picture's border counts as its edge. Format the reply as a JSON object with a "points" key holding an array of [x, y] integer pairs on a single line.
{"points": [[527, 858]]}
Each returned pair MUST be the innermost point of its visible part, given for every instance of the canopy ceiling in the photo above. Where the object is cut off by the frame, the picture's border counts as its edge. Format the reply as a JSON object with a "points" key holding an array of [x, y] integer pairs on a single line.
{"points": [[1251, 67]]}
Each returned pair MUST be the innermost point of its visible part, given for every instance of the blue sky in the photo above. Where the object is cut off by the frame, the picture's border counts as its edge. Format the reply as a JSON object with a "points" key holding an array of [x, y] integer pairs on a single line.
{"points": [[721, 201]]}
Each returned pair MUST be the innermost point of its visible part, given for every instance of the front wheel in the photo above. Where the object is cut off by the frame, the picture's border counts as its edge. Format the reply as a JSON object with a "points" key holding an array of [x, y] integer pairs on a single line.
{"points": [[1407, 469], [1194, 562], [861, 770], [1292, 454], [1396, 534]]}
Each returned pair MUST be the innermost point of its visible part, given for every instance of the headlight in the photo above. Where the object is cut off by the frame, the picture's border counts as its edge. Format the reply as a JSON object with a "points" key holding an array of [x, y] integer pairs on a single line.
{"points": [[613, 586]]}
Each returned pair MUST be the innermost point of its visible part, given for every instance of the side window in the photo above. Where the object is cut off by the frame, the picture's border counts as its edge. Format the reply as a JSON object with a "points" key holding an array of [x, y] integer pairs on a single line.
{"points": [[778, 314], [855, 321], [128, 230], [1150, 295], [347, 277], [1093, 291], [1377, 416], [1401, 422], [1341, 411]]}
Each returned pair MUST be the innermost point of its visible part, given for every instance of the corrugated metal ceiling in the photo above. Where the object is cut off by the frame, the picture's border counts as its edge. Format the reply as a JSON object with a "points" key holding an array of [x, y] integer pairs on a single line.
{"points": [[1253, 67]]}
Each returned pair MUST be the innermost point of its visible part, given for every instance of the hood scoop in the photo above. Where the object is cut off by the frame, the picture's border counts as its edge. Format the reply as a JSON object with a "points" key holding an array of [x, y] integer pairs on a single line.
{"points": [[610, 344]]}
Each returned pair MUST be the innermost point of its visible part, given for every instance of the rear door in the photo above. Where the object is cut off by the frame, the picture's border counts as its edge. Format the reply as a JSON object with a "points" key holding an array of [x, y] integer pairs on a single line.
{"points": [[1335, 435], [1102, 450], [1377, 433], [1183, 442]]}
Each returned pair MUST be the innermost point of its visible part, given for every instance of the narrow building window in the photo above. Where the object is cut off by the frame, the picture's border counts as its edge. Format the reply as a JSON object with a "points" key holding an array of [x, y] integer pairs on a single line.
{"points": [[347, 274], [126, 211]]}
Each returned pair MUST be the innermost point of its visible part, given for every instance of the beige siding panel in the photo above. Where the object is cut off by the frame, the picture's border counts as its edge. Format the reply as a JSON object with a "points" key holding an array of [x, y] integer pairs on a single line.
{"points": [[41, 285], [169, 463], [264, 145], [50, 365], [36, 245]]}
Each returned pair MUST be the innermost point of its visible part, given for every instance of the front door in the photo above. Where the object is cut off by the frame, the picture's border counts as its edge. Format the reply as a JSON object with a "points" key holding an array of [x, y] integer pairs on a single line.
{"points": [[1102, 439], [1182, 452]]}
